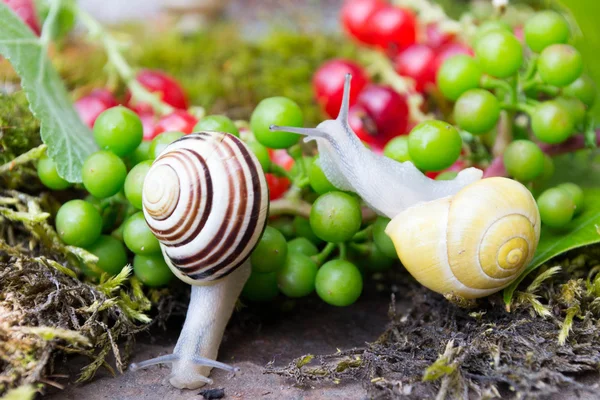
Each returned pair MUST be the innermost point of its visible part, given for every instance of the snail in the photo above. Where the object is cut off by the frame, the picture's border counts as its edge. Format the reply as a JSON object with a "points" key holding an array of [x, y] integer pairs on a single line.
{"points": [[206, 200], [464, 238]]}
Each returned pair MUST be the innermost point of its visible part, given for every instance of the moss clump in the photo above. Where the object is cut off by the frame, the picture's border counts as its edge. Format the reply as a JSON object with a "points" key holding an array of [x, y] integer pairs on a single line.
{"points": [[19, 130], [45, 308]]}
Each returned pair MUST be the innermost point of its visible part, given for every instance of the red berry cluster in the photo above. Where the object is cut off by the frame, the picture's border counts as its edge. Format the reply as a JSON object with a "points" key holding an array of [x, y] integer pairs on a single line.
{"points": [[170, 92], [378, 113]]}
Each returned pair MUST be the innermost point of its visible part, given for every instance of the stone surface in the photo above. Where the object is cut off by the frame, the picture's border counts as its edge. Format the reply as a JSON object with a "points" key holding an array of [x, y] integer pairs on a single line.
{"points": [[310, 328]]}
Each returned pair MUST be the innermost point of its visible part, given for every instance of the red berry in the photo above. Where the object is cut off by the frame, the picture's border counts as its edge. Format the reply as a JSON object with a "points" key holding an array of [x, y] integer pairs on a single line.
{"points": [[355, 14], [90, 106], [159, 82], [388, 110], [328, 84], [178, 120], [277, 186], [449, 50], [432, 174], [365, 128], [519, 33], [435, 37], [416, 62], [458, 166], [281, 158], [25, 9], [392, 28], [148, 122]]}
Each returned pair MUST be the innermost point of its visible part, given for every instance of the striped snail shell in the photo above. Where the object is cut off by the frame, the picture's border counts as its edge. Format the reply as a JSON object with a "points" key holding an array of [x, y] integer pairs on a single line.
{"points": [[471, 244], [206, 200]]}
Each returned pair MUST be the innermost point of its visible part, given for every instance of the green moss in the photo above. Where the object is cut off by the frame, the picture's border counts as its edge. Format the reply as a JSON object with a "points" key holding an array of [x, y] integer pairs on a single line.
{"points": [[19, 130]]}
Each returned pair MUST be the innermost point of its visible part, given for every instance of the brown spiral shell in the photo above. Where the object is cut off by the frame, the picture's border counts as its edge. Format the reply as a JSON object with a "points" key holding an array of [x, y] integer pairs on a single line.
{"points": [[206, 200]]}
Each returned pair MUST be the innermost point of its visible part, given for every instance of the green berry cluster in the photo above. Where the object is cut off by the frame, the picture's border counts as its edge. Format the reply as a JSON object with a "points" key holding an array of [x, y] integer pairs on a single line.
{"points": [[108, 222], [328, 250], [544, 80]]}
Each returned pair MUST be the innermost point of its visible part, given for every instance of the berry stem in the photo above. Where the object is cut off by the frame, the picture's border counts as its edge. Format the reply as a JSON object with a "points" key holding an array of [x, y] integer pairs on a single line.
{"points": [[343, 250], [487, 82], [116, 59], [289, 206], [363, 234], [31, 155], [278, 170], [320, 258]]}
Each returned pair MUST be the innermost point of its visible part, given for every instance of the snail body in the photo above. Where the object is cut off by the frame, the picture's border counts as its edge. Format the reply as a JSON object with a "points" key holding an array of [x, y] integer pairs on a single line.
{"points": [[468, 237], [206, 200]]}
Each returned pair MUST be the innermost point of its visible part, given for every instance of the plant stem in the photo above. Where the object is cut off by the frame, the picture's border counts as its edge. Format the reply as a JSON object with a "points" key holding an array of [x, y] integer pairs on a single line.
{"points": [[286, 206], [31, 155], [343, 250], [324, 254], [363, 234], [116, 59], [278, 170]]}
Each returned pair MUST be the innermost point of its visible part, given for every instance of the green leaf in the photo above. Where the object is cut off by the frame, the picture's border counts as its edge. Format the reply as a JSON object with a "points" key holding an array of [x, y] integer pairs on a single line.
{"points": [[583, 230], [69, 140]]}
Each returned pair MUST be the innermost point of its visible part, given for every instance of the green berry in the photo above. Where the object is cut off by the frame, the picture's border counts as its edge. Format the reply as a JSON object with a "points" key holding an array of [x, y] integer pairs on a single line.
{"points": [[152, 270], [499, 54], [284, 225], [548, 169], [297, 276], [303, 246], [574, 107], [477, 111], [135, 182], [576, 194], [434, 145], [335, 216], [560, 65], [138, 237], [276, 111], [262, 153], [119, 130], [303, 229], [261, 287], [556, 207], [382, 240], [397, 149], [458, 74], [583, 88], [524, 160], [141, 153], [48, 174], [103, 174], [446, 176], [374, 260], [217, 123], [544, 29], [339, 283], [270, 252], [491, 26], [78, 223], [551, 122], [160, 142], [111, 253], [317, 178]]}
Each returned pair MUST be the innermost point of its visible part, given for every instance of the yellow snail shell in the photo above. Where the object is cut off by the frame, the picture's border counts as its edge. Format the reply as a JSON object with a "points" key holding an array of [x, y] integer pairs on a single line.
{"points": [[471, 244], [206, 200]]}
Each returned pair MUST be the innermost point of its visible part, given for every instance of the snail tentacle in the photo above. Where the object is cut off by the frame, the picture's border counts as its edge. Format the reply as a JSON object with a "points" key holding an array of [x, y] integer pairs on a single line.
{"points": [[387, 186]]}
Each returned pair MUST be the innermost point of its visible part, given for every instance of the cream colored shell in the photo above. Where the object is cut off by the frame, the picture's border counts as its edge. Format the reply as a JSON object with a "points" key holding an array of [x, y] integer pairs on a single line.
{"points": [[472, 244]]}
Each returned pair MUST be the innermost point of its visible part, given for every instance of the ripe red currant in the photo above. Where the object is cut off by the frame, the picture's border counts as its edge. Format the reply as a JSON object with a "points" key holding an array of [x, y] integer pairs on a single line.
{"points": [[355, 15], [416, 62], [178, 120], [159, 82], [392, 28], [90, 106], [328, 84]]}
